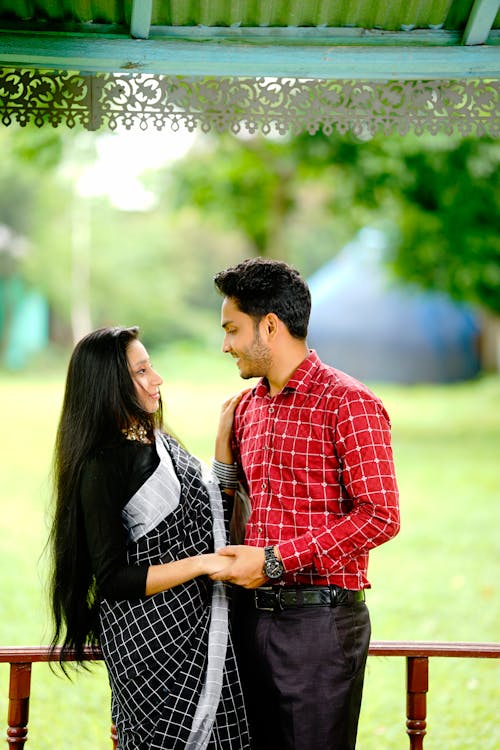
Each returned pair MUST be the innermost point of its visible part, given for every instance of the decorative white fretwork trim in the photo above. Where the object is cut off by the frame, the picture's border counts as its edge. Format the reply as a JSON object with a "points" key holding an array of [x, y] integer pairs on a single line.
{"points": [[254, 104]]}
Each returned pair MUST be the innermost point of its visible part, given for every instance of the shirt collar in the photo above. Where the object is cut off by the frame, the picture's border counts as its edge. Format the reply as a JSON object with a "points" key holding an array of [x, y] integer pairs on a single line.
{"points": [[300, 379]]}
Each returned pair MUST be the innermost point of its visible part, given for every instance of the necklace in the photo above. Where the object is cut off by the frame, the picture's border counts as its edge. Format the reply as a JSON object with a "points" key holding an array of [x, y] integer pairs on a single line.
{"points": [[136, 432]]}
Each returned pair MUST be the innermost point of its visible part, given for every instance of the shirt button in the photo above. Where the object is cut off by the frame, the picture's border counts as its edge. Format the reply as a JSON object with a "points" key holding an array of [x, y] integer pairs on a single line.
{"points": [[260, 530], [271, 410], [263, 486]]}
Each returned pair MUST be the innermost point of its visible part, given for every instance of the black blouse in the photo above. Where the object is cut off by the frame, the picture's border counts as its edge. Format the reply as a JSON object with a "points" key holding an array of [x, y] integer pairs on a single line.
{"points": [[109, 480]]}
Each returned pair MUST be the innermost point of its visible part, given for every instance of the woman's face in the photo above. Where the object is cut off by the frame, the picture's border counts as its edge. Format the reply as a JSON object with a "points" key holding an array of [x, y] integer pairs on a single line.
{"points": [[146, 381]]}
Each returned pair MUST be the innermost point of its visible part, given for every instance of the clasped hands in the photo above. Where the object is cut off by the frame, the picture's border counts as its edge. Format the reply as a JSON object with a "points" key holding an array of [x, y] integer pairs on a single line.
{"points": [[239, 564]]}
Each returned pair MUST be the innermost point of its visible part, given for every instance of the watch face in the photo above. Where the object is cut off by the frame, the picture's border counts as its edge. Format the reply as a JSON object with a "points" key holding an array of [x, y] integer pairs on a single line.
{"points": [[273, 568]]}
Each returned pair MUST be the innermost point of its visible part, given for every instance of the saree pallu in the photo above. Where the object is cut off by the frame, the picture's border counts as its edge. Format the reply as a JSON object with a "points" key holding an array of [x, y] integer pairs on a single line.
{"points": [[170, 659]]}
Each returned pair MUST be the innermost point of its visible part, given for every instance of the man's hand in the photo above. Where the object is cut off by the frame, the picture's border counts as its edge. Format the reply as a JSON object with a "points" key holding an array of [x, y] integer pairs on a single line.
{"points": [[247, 566], [214, 565]]}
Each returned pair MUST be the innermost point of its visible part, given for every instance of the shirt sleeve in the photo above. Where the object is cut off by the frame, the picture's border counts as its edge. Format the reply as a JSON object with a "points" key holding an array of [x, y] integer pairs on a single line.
{"points": [[105, 488], [369, 489]]}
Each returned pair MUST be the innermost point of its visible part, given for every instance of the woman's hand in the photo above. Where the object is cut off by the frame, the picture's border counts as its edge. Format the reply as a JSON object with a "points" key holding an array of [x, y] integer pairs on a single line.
{"points": [[223, 450], [213, 564], [166, 575]]}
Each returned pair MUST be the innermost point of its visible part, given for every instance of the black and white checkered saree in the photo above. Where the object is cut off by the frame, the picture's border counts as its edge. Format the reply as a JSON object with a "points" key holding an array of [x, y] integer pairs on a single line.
{"points": [[170, 658]]}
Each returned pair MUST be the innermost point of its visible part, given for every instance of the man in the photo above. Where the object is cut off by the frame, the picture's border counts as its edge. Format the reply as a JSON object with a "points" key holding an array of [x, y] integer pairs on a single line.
{"points": [[313, 448]]}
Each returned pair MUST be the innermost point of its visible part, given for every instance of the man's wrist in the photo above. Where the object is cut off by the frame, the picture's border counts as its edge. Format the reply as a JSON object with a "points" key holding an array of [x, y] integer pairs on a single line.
{"points": [[273, 566]]}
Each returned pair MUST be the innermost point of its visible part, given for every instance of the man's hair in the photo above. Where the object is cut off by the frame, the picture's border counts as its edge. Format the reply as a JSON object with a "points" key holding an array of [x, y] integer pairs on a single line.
{"points": [[260, 286]]}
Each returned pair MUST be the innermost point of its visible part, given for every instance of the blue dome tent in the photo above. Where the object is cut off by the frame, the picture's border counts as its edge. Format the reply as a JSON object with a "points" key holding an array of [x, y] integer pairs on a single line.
{"points": [[377, 328]]}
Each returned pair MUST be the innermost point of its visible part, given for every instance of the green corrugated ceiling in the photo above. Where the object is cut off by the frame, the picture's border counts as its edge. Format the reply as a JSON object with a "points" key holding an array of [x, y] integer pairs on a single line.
{"points": [[369, 14]]}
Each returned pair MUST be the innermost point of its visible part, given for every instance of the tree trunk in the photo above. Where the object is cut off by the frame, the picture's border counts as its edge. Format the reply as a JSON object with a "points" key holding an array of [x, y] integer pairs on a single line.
{"points": [[81, 321], [490, 342]]}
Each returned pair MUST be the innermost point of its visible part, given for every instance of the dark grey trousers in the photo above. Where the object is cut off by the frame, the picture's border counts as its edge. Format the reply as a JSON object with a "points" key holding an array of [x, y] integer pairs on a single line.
{"points": [[302, 672]]}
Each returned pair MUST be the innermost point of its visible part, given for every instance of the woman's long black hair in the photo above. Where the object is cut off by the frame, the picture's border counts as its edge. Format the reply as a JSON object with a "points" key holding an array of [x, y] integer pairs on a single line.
{"points": [[99, 402]]}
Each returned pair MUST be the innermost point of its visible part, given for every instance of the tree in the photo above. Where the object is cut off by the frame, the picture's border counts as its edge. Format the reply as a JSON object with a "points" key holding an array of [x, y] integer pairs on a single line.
{"points": [[27, 160], [244, 184], [299, 198], [440, 193], [97, 265], [450, 221]]}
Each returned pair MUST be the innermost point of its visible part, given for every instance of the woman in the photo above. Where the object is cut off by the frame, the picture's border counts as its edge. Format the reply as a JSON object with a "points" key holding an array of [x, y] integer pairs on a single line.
{"points": [[136, 521]]}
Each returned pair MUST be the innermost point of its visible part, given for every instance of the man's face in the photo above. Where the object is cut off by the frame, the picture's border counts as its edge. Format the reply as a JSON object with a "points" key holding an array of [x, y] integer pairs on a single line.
{"points": [[242, 340]]}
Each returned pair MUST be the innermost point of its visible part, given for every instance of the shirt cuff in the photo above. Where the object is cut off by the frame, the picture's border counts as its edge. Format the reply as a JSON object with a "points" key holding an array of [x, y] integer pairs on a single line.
{"points": [[296, 554]]}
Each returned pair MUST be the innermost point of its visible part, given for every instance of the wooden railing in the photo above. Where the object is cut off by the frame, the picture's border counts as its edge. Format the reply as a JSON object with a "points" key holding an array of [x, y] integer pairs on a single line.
{"points": [[417, 655]]}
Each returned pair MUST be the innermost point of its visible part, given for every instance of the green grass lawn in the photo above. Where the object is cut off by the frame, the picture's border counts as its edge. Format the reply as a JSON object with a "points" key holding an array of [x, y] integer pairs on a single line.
{"points": [[436, 581]]}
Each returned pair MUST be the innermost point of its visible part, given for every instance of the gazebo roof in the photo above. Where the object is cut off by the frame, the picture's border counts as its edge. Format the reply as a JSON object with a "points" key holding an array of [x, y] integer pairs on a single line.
{"points": [[223, 63]]}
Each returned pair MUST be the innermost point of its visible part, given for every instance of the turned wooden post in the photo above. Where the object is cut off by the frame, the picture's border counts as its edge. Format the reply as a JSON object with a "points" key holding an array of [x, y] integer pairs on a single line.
{"points": [[417, 685], [19, 703]]}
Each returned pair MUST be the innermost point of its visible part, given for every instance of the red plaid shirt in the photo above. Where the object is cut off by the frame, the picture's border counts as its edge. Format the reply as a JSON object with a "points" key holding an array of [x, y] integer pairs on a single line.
{"points": [[318, 465]]}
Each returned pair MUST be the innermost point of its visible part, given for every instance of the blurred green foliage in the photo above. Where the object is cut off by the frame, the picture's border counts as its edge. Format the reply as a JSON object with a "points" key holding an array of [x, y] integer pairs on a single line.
{"points": [[298, 198]]}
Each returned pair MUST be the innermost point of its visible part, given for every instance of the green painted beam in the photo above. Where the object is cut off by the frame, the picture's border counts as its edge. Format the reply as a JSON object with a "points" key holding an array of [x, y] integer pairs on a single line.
{"points": [[480, 21], [227, 58], [259, 36], [307, 35]]}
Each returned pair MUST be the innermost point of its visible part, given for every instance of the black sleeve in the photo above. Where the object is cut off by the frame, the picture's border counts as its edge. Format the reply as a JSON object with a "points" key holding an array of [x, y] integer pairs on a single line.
{"points": [[227, 507], [108, 482]]}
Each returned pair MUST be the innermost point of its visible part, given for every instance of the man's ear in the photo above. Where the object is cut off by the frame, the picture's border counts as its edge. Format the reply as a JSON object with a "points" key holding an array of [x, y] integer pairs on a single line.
{"points": [[271, 324]]}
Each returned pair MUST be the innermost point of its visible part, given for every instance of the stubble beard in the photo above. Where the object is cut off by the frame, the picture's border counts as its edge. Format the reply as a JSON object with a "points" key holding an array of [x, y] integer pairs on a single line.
{"points": [[256, 361]]}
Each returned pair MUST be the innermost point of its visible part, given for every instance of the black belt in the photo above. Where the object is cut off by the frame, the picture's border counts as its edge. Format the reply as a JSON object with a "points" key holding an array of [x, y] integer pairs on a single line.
{"points": [[276, 598]]}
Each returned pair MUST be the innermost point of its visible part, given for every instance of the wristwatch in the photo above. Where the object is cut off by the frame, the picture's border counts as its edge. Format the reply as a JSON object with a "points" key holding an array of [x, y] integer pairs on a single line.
{"points": [[273, 568]]}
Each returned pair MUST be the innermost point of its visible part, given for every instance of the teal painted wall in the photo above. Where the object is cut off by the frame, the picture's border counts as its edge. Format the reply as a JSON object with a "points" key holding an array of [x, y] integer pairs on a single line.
{"points": [[24, 323]]}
